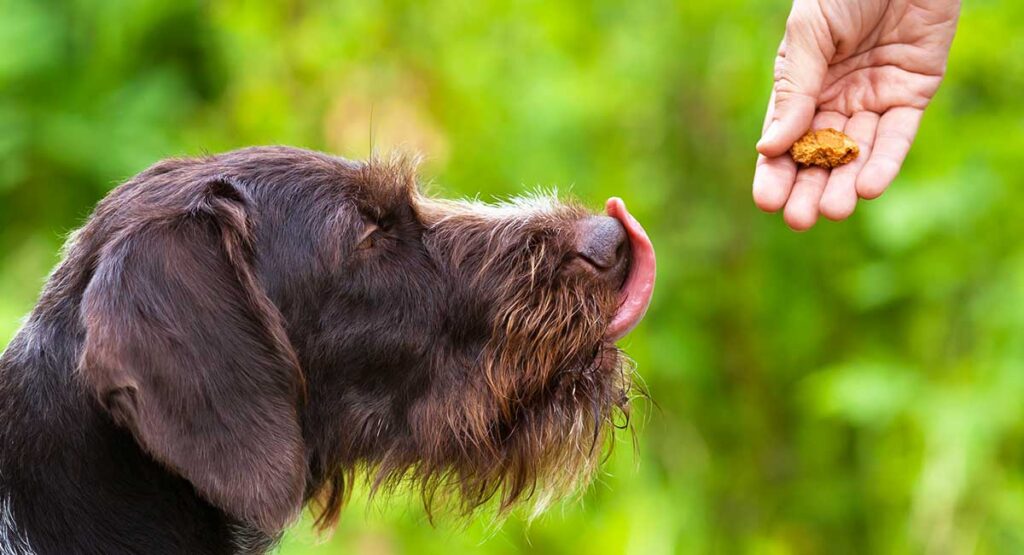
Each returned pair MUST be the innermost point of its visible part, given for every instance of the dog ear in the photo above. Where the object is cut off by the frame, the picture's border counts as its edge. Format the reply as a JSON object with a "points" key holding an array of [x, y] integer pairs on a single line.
{"points": [[183, 348]]}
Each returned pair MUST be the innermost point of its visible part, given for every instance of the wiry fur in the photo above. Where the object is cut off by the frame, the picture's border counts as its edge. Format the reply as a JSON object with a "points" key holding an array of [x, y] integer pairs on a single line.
{"points": [[12, 542], [530, 416], [237, 338]]}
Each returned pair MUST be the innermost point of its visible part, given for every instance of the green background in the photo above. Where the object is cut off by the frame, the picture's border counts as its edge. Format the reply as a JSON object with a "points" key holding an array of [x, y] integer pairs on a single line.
{"points": [[854, 389]]}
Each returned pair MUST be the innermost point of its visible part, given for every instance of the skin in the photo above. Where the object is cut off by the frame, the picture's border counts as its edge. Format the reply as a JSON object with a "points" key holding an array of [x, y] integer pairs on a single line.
{"points": [[868, 68]]}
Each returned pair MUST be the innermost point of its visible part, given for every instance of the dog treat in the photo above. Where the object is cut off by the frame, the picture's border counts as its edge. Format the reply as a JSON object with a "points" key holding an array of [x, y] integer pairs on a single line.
{"points": [[825, 148]]}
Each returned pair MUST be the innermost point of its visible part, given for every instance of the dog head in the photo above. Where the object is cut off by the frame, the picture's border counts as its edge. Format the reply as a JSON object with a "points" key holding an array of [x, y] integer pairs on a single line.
{"points": [[267, 321]]}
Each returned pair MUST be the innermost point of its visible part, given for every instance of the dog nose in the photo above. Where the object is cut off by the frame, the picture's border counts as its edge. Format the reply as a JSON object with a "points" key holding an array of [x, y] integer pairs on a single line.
{"points": [[602, 243]]}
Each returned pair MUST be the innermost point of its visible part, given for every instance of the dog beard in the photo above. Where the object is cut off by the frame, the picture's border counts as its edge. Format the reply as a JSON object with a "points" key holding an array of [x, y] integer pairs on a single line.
{"points": [[529, 419]]}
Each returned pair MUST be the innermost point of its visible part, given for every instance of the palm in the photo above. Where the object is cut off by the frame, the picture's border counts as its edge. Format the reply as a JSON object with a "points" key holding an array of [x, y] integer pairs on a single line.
{"points": [[888, 54], [870, 89], [868, 68]]}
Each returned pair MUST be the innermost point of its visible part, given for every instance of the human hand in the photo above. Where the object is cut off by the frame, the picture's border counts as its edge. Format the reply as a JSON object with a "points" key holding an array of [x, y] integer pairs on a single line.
{"points": [[865, 67]]}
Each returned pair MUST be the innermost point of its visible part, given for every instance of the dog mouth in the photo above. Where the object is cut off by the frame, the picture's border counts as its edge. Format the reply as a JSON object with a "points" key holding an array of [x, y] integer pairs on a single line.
{"points": [[635, 294]]}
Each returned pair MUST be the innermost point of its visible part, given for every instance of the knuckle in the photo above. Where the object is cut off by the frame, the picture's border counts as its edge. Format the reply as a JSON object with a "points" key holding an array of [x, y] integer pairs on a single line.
{"points": [[780, 69], [784, 82], [784, 76], [785, 89], [798, 22]]}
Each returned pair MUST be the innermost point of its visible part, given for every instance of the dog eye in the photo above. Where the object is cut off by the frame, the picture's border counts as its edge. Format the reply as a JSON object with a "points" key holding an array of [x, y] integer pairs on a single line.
{"points": [[368, 237]]}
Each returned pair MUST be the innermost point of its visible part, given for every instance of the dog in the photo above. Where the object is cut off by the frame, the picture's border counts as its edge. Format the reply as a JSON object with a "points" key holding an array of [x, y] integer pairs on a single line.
{"points": [[229, 338]]}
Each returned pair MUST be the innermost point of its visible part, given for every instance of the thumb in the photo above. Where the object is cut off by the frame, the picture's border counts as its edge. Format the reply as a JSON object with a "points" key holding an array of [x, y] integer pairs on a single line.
{"points": [[799, 72]]}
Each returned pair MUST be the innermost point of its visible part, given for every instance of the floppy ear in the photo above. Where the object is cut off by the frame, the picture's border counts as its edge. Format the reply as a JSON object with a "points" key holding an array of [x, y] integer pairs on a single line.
{"points": [[184, 349]]}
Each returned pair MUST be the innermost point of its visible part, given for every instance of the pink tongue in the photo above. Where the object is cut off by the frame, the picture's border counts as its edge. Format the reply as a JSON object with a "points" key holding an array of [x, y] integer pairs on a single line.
{"points": [[636, 293]]}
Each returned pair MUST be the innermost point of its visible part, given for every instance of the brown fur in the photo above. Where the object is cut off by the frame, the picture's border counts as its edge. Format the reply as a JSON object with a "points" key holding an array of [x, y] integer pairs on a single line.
{"points": [[264, 325]]}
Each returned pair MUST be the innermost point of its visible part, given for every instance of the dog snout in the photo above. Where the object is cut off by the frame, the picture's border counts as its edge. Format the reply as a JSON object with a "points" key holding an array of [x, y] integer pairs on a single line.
{"points": [[603, 245]]}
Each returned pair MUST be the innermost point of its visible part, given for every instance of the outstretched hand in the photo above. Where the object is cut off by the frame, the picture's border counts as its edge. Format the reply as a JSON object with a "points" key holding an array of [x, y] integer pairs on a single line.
{"points": [[867, 68]]}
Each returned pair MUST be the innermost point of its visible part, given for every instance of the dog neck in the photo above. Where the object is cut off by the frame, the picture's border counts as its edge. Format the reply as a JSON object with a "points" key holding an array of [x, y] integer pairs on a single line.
{"points": [[73, 482]]}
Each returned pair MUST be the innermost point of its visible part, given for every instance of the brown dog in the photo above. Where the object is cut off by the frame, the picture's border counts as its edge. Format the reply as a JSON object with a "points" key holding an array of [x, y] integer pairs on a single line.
{"points": [[230, 337]]}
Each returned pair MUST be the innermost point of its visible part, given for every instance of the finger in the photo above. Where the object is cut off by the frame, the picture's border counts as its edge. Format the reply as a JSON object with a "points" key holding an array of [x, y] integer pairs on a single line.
{"points": [[773, 180], [802, 208], [800, 68], [895, 134], [840, 197]]}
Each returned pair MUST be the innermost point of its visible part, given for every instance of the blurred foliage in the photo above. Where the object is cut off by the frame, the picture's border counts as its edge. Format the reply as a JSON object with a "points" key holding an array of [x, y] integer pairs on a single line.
{"points": [[854, 389]]}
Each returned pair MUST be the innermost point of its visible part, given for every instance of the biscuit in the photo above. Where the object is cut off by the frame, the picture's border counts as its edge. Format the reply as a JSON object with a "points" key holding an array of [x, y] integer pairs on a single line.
{"points": [[825, 148]]}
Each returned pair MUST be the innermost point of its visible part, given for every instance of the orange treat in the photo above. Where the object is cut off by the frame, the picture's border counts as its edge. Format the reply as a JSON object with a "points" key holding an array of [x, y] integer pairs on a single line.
{"points": [[825, 148]]}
